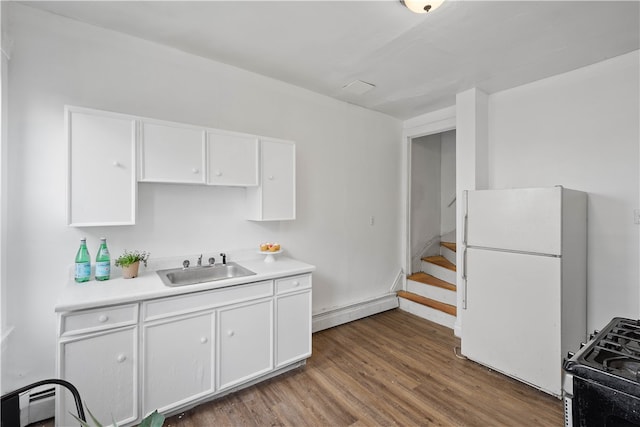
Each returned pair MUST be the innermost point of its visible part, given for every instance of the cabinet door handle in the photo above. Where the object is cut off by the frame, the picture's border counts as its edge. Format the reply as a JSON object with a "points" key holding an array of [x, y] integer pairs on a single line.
{"points": [[103, 318], [195, 170], [270, 177], [230, 333], [121, 358], [218, 173], [116, 163], [204, 340]]}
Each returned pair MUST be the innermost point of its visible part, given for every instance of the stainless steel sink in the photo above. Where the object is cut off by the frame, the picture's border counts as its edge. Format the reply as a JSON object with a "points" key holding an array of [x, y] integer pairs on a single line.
{"points": [[192, 275]]}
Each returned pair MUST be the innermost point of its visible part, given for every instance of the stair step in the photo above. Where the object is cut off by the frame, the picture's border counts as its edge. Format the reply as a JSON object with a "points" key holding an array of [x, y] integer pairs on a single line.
{"points": [[431, 280], [449, 245], [441, 261], [446, 308], [448, 250], [428, 313], [435, 293]]}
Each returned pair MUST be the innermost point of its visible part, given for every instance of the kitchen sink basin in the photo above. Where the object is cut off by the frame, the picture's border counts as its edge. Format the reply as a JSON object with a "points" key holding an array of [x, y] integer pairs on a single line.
{"points": [[192, 275]]}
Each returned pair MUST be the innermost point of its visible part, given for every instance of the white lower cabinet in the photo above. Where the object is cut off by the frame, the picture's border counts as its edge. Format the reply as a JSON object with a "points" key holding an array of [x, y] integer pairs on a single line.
{"points": [[246, 342], [293, 319], [177, 361], [184, 349], [104, 368]]}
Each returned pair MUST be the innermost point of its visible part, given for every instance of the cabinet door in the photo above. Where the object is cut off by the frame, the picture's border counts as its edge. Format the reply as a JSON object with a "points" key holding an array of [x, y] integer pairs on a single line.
{"points": [[102, 184], [275, 198], [103, 367], [178, 361], [245, 342], [172, 153], [232, 159], [293, 327]]}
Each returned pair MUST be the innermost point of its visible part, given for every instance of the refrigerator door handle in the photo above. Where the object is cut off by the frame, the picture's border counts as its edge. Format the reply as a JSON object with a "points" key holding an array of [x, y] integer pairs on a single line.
{"points": [[466, 217], [464, 279]]}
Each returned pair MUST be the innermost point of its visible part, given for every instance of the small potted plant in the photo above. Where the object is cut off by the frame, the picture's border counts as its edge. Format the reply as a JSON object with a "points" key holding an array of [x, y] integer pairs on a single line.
{"points": [[130, 262]]}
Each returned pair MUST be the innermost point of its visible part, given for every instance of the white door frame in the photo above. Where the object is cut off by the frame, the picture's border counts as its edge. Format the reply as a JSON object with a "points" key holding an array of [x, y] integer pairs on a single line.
{"points": [[427, 124]]}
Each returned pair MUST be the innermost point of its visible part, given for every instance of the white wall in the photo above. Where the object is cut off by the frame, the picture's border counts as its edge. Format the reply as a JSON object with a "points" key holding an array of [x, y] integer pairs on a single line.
{"points": [[581, 130], [448, 184], [348, 163], [5, 330]]}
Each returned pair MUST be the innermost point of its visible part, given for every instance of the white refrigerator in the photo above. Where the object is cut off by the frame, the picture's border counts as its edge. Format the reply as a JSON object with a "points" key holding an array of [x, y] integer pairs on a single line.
{"points": [[524, 281]]}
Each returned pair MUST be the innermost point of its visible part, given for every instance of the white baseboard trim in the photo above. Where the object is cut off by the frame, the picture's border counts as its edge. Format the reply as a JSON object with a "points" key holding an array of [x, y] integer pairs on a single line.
{"points": [[351, 312]]}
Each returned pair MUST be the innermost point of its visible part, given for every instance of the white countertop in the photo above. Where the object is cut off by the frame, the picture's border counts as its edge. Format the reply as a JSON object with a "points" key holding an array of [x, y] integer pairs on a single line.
{"points": [[92, 294]]}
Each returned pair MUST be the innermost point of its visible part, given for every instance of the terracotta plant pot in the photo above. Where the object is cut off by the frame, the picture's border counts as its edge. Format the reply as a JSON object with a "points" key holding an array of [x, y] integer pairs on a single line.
{"points": [[131, 271]]}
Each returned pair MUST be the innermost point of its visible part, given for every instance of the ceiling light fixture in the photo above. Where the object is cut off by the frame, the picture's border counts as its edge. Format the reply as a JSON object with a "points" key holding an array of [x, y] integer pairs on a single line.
{"points": [[422, 6]]}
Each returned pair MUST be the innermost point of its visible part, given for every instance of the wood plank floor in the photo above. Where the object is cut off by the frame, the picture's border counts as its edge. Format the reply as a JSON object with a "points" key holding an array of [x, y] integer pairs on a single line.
{"points": [[389, 369]]}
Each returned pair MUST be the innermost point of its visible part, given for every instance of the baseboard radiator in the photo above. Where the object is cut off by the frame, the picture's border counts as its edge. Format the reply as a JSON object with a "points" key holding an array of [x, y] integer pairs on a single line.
{"points": [[37, 405], [351, 312]]}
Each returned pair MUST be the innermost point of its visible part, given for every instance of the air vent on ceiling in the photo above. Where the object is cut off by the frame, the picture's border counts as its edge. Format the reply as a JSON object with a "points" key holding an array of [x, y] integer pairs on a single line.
{"points": [[358, 87]]}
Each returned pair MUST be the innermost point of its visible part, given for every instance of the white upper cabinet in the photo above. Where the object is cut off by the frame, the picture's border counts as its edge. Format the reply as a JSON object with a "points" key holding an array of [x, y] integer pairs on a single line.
{"points": [[102, 177], [109, 153], [232, 159], [275, 198], [171, 152]]}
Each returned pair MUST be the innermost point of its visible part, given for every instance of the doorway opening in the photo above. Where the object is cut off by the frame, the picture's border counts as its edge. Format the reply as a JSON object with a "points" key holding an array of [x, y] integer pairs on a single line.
{"points": [[433, 195], [430, 290]]}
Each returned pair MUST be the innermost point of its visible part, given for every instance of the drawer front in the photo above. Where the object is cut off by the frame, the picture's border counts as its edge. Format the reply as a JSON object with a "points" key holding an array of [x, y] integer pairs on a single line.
{"points": [[189, 303], [293, 283], [80, 322]]}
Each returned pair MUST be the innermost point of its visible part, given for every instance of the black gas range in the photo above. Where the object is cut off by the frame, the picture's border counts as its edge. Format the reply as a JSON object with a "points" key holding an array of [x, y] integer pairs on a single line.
{"points": [[602, 380]]}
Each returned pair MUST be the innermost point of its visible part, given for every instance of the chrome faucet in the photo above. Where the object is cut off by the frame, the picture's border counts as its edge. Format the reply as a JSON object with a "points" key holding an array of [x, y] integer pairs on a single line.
{"points": [[200, 261], [224, 258], [212, 261]]}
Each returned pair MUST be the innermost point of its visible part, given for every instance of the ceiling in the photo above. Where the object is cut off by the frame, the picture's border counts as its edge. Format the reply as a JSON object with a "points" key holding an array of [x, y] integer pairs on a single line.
{"points": [[416, 62]]}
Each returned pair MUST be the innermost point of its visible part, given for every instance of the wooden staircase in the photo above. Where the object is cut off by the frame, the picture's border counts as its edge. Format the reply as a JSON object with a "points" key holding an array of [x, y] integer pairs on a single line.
{"points": [[431, 293]]}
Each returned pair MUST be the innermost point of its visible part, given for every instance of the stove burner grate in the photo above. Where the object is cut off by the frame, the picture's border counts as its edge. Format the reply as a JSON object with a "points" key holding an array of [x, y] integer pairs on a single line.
{"points": [[616, 350], [623, 365]]}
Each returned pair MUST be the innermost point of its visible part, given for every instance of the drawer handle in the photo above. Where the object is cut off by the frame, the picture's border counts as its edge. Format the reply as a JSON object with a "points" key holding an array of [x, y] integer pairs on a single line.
{"points": [[296, 283], [230, 333], [121, 358], [204, 340], [103, 318]]}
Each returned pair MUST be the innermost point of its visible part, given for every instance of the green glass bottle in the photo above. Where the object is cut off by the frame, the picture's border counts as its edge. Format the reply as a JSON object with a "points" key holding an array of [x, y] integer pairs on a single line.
{"points": [[83, 263], [103, 261]]}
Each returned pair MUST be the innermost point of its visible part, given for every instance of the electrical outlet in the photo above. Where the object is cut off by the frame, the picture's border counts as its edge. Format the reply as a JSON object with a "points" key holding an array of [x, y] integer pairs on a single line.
{"points": [[636, 216]]}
